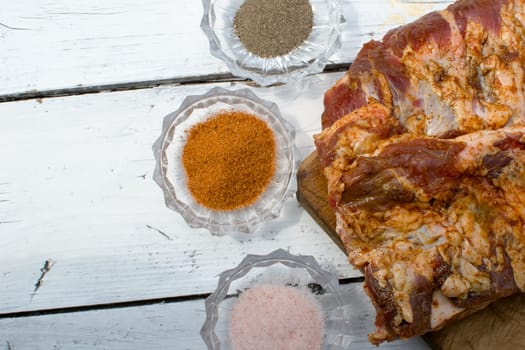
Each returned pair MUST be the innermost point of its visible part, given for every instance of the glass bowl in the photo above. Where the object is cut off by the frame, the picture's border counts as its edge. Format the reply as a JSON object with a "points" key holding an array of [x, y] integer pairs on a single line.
{"points": [[171, 177], [309, 58], [277, 268]]}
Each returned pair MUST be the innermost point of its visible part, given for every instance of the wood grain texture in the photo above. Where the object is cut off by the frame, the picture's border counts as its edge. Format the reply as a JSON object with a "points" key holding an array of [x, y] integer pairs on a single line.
{"points": [[160, 326], [499, 326], [77, 191], [57, 44], [311, 193]]}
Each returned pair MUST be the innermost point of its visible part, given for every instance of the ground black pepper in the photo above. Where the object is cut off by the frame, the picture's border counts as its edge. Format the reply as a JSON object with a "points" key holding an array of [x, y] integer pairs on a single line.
{"points": [[270, 28]]}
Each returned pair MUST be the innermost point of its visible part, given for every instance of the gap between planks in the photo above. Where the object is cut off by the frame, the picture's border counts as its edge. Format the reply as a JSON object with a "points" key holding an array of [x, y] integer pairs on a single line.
{"points": [[127, 304], [119, 305], [191, 80]]}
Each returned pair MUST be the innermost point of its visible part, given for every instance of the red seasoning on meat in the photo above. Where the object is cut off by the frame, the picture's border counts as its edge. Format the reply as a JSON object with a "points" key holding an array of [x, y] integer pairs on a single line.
{"points": [[423, 149], [450, 72]]}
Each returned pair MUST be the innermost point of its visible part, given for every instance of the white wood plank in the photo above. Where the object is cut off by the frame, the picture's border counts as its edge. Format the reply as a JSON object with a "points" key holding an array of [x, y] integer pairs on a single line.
{"points": [[160, 326], [76, 191], [54, 44]]}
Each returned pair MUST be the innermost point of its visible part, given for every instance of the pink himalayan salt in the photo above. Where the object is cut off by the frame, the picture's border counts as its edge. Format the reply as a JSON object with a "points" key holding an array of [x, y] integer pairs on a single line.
{"points": [[271, 317]]}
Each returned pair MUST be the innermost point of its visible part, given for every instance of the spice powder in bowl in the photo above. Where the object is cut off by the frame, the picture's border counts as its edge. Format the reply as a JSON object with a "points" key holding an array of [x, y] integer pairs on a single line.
{"points": [[229, 160], [268, 317], [273, 41], [270, 28], [225, 160], [276, 301]]}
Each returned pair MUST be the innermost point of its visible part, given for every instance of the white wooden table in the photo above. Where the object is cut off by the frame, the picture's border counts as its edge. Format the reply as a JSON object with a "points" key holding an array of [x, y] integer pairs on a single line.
{"points": [[90, 257]]}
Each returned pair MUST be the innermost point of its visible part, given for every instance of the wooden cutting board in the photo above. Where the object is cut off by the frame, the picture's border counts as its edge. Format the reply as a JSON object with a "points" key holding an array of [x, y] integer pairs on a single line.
{"points": [[500, 326]]}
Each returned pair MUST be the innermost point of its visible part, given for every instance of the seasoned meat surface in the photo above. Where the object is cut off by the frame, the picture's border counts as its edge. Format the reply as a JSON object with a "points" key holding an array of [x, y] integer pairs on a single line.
{"points": [[423, 148], [450, 72]]}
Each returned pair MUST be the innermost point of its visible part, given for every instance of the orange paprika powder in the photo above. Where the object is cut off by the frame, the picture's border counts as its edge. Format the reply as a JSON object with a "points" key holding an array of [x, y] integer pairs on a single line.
{"points": [[229, 160]]}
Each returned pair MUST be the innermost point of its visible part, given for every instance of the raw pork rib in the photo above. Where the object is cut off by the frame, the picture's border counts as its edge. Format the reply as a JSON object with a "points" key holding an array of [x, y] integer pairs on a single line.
{"points": [[423, 149]]}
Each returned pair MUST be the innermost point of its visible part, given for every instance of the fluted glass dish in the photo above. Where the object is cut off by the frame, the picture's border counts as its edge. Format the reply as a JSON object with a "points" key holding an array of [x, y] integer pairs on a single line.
{"points": [[309, 58], [282, 269], [171, 177]]}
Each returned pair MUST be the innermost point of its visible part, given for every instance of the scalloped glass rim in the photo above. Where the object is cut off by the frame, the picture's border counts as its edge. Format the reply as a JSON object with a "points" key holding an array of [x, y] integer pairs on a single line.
{"points": [[331, 301], [309, 58], [169, 173]]}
